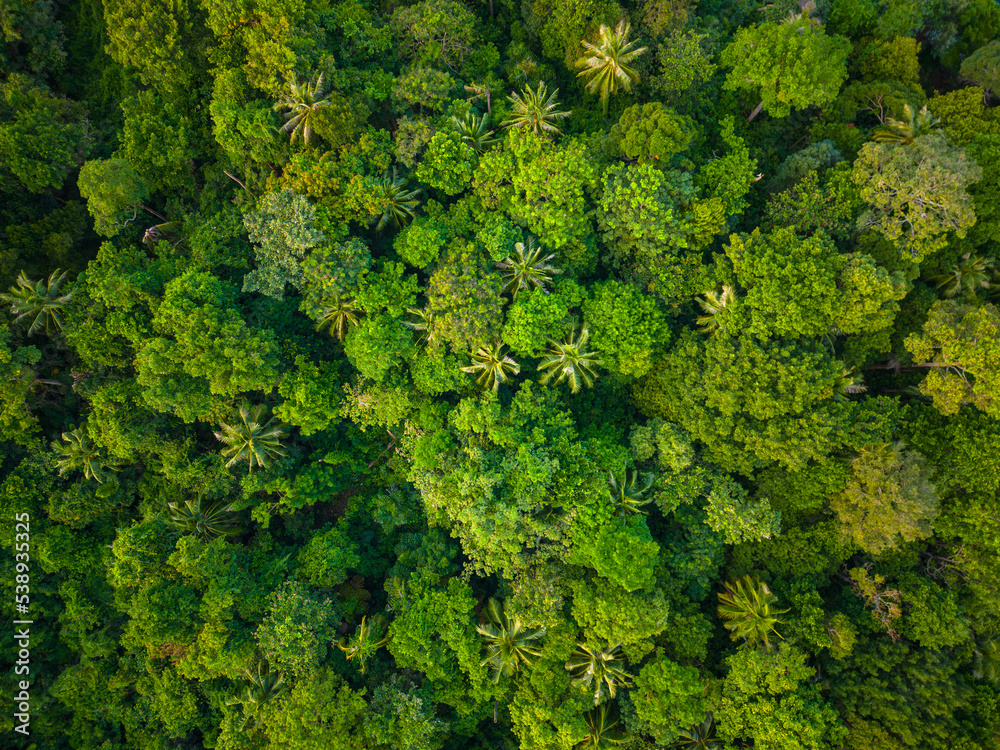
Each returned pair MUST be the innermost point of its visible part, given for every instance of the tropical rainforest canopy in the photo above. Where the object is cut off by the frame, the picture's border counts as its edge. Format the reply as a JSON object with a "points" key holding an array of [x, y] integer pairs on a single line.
{"points": [[498, 374]]}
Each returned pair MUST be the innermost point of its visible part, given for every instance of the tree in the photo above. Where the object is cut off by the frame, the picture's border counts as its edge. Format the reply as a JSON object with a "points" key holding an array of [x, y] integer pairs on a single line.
{"points": [[916, 194], [42, 137], [628, 327], [39, 300], [542, 186], [888, 501], [79, 453], [960, 343], [508, 643], [296, 628], [569, 362], [492, 365], [397, 203], [652, 132], [668, 697], [252, 439], [607, 62], [113, 190], [788, 64], [982, 67], [535, 110], [748, 611], [738, 520], [602, 668], [463, 297], [449, 163], [770, 698], [749, 402], [283, 228], [208, 520], [527, 269], [303, 100], [806, 287], [436, 32]]}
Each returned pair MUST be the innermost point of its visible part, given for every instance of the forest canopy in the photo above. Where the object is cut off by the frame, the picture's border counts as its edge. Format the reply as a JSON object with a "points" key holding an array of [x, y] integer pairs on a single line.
{"points": [[476, 374]]}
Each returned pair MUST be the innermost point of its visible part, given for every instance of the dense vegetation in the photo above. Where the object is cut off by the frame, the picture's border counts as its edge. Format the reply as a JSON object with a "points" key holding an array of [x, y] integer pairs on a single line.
{"points": [[548, 374]]}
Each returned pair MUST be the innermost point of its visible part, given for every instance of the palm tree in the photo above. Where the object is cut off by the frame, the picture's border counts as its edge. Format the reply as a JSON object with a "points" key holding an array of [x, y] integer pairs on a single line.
{"points": [[747, 608], [264, 687], [480, 91], [303, 100], [986, 666], [626, 495], [569, 362], [974, 272], [601, 729], [535, 110], [422, 321], [606, 63], [527, 268], [398, 203], [904, 132], [492, 365], [604, 669], [206, 520], [39, 300], [508, 643], [251, 439], [475, 131], [714, 303], [365, 642], [700, 736], [339, 313], [848, 384], [80, 453]]}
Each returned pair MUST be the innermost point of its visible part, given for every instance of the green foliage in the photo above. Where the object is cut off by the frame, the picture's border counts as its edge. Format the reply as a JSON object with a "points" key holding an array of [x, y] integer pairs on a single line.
{"points": [[651, 131], [327, 557], [897, 182], [956, 342], [982, 67], [668, 697], [42, 137], [448, 163], [887, 500], [805, 287], [788, 64], [628, 327], [283, 229], [377, 344], [535, 110], [294, 632], [435, 32], [114, 192], [767, 697], [787, 415]]}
